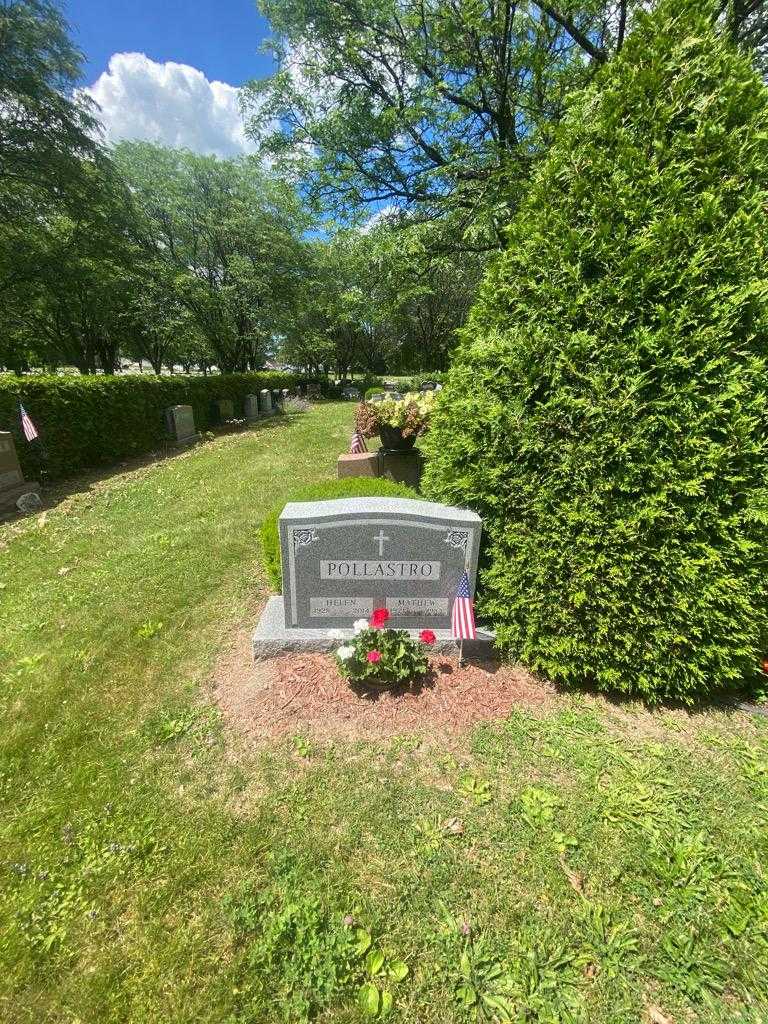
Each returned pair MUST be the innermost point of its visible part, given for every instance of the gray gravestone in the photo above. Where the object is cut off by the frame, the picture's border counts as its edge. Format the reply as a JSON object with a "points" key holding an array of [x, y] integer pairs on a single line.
{"points": [[277, 400], [225, 409], [251, 407], [265, 402], [341, 559], [180, 421], [12, 483]]}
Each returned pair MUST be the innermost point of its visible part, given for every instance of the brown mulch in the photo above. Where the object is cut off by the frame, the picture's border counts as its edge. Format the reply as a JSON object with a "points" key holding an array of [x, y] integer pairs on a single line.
{"points": [[304, 693]]}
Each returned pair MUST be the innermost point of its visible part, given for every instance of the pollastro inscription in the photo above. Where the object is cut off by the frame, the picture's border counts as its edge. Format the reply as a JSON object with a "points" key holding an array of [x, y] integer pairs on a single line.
{"points": [[378, 570], [341, 557]]}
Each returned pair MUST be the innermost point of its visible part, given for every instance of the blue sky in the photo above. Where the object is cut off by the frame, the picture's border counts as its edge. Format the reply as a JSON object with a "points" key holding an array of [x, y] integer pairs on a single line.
{"points": [[168, 70], [221, 39]]}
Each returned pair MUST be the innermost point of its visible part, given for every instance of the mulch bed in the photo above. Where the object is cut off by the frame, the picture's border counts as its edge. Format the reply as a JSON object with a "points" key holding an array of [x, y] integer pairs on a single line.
{"points": [[303, 693]]}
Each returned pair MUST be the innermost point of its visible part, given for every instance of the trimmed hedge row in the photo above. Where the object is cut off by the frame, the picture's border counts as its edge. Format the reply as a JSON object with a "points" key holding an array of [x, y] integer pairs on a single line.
{"points": [[92, 421]]}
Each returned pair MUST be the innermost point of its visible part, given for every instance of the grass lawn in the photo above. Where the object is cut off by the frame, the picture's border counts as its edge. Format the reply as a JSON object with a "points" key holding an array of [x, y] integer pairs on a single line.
{"points": [[589, 863]]}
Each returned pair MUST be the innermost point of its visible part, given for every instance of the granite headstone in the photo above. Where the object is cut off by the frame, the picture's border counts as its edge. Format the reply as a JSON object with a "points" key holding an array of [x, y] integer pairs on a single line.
{"points": [[251, 408], [12, 483], [180, 421], [265, 402], [343, 558], [223, 410]]}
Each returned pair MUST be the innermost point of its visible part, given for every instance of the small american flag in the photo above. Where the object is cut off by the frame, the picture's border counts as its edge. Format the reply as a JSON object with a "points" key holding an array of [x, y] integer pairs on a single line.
{"points": [[29, 428], [463, 614], [358, 444]]}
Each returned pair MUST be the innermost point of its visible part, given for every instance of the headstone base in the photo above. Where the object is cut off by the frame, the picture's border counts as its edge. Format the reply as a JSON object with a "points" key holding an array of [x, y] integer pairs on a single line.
{"points": [[272, 637], [358, 464], [9, 496], [402, 467], [185, 442]]}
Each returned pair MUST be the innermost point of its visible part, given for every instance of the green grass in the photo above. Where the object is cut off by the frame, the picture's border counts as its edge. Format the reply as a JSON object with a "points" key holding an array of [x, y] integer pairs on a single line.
{"points": [[153, 867]]}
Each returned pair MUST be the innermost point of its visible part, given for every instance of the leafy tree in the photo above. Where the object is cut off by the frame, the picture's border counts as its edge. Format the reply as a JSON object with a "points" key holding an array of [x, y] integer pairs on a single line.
{"points": [[608, 410], [156, 324], [229, 234], [441, 109], [46, 135], [70, 311], [378, 301]]}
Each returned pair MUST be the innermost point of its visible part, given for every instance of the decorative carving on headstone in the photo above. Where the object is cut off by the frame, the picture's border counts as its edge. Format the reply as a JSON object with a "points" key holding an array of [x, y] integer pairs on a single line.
{"points": [[457, 539], [303, 538]]}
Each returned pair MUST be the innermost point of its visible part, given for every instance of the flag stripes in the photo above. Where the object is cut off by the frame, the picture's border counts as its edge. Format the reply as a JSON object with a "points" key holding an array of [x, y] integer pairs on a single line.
{"points": [[29, 428], [463, 612]]}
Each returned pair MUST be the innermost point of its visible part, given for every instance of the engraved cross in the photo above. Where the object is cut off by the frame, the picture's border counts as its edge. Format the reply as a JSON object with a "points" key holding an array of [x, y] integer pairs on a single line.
{"points": [[381, 537]]}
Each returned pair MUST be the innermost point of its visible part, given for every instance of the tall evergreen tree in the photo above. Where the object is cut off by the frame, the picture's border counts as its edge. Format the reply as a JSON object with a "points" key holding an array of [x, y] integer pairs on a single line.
{"points": [[608, 411]]}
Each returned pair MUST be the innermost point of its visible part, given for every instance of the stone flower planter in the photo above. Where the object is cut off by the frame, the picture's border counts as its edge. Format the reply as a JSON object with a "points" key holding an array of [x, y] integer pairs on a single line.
{"points": [[393, 440]]}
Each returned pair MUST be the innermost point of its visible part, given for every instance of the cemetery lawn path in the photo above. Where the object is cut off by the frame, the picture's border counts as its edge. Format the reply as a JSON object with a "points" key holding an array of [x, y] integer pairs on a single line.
{"points": [[583, 862]]}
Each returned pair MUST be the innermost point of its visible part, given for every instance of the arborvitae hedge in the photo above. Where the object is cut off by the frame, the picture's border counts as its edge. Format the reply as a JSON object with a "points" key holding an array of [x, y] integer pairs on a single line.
{"points": [[93, 421], [607, 412]]}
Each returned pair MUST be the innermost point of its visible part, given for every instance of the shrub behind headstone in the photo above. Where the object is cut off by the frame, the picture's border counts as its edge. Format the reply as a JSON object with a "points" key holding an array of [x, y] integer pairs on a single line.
{"points": [[608, 409]]}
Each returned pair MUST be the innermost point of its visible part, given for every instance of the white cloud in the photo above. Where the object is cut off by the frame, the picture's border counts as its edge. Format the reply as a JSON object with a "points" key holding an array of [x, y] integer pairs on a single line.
{"points": [[173, 104], [390, 213]]}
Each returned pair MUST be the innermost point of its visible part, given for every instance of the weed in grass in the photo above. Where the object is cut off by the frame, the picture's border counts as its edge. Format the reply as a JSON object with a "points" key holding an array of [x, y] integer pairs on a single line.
{"points": [[301, 959], [476, 789]]}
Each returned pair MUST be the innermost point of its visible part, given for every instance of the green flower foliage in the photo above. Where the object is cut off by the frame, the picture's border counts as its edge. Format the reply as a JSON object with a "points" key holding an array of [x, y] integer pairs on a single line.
{"points": [[95, 421], [606, 414]]}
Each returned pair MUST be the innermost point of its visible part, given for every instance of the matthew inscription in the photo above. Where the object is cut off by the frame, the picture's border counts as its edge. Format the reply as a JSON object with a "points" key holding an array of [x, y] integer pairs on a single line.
{"points": [[341, 559]]}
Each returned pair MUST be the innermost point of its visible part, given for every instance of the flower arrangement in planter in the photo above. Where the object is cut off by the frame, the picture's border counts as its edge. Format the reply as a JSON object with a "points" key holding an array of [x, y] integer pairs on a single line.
{"points": [[398, 421], [380, 656]]}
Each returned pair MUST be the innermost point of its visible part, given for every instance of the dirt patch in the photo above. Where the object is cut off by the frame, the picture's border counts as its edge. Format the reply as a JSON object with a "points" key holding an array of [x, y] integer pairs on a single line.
{"points": [[304, 693]]}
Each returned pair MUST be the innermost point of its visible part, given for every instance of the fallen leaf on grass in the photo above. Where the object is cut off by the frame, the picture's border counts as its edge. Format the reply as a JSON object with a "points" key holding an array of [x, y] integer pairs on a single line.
{"points": [[576, 880], [655, 1016], [455, 826]]}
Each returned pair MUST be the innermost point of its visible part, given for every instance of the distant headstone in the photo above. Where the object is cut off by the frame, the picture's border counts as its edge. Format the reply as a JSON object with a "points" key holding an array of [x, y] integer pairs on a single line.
{"points": [[358, 464], [351, 393], [251, 408], [277, 400], [378, 397], [223, 410], [180, 421], [265, 402], [285, 393], [12, 483], [428, 385], [343, 558]]}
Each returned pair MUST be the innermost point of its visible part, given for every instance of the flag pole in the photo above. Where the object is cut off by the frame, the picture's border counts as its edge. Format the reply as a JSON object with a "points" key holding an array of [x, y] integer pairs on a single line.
{"points": [[461, 650]]}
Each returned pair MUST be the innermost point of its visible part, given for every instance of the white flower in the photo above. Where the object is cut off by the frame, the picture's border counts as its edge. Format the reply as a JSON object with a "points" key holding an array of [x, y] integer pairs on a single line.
{"points": [[336, 634], [359, 626], [345, 651]]}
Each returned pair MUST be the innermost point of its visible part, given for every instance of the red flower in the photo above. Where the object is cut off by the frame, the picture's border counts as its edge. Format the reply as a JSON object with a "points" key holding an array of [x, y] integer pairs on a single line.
{"points": [[427, 636], [373, 656], [379, 617]]}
